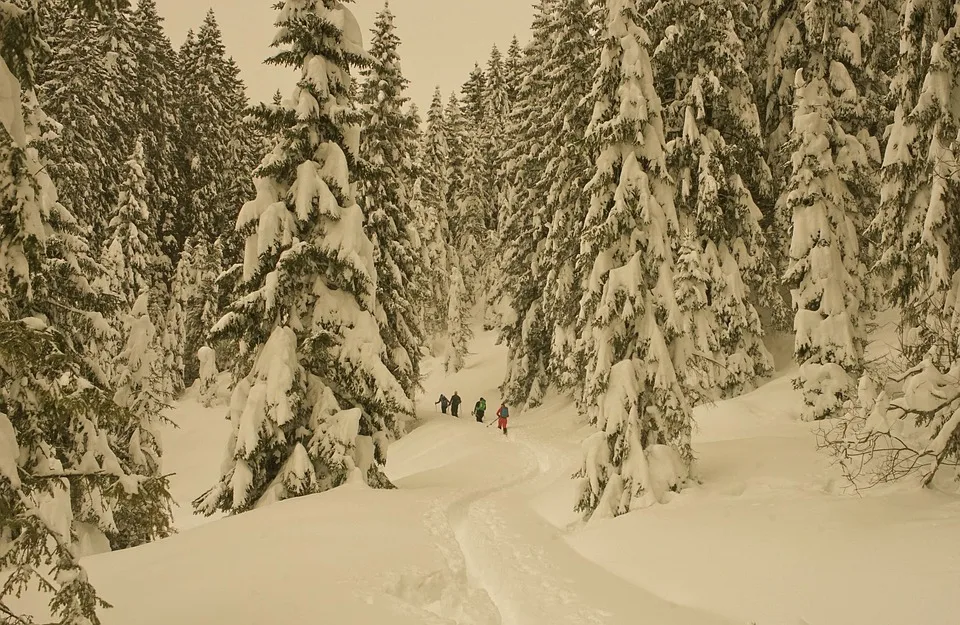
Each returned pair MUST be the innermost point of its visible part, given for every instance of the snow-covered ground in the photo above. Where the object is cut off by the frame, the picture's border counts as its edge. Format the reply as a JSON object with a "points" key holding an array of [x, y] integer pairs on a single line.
{"points": [[480, 531]]}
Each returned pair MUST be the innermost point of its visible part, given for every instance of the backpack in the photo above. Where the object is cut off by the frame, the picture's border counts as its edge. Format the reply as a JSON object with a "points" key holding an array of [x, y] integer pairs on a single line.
{"points": [[483, 404], [504, 412]]}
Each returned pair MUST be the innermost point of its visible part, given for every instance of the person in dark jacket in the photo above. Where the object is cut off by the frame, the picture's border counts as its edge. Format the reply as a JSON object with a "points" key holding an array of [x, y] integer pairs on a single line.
{"points": [[455, 404], [443, 401]]}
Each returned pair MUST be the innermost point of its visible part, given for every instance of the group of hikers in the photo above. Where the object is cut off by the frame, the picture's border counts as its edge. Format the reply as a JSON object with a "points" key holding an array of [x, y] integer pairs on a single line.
{"points": [[479, 409]]}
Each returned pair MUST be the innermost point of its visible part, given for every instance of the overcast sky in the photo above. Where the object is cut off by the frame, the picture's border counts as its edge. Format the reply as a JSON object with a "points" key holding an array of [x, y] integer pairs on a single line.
{"points": [[441, 39]]}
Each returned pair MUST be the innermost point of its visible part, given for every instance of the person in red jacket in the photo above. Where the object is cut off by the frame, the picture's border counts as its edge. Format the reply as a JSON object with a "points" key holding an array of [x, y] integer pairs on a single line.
{"points": [[503, 413]]}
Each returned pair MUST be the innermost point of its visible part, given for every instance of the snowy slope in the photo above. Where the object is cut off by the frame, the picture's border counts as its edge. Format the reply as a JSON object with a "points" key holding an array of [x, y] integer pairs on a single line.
{"points": [[480, 531]]}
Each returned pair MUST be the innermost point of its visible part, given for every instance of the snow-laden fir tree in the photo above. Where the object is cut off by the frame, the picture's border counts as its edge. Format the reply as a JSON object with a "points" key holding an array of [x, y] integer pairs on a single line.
{"points": [[207, 132], [182, 291], [315, 404], [512, 71], [633, 397], [569, 164], [129, 255], [455, 129], [158, 96], [906, 423], [716, 136], [473, 97], [433, 187], [200, 301], [140, 390], [831, 162], [918, 233], [86, 86], [385, 147], [63, 477], [459, 333], [522, 269]]}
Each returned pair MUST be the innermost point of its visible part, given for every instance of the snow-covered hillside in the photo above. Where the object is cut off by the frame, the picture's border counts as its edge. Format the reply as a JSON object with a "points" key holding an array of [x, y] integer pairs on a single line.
{"points": [[480, 531]]}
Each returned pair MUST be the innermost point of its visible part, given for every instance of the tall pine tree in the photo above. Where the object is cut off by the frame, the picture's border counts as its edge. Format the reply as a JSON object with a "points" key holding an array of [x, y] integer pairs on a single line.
{"points": [[315, 403], [386, 189], [717, 136], [633, 397], [831, 162]]}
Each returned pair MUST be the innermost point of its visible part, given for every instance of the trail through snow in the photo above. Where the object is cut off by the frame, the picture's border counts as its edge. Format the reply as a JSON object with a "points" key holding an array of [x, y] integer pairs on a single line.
{"points": [[520, 560], [481, 531]]}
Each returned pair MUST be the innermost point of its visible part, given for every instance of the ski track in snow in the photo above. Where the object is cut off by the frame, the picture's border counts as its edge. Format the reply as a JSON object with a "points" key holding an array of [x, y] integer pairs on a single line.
{"points": [[513, 556]]}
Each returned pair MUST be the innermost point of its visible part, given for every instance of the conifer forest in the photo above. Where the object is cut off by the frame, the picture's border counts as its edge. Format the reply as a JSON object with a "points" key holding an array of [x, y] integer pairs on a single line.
{"points": [[634, 199]]}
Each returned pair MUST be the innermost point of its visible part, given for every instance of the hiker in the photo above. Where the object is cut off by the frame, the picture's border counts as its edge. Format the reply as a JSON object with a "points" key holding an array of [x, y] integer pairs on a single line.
{"points": [[479, 409], [503, 413], [443, 401], [455, 404]]}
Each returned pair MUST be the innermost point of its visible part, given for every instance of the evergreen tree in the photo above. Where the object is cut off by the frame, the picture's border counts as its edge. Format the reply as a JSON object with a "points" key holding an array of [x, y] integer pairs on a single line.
{"points": [[157, 96], [473, 97], [431, 192], [140, 391], [386, 147], [128, 259], [316, 402], [455, 130], [908, 424], [524, 225], [85, 86], [717, 136], [59, 466], [207, 129], [512, 70], [633, 398], [569, 163], [919, 237], [830, 165], [458, 319], [174, 339]]}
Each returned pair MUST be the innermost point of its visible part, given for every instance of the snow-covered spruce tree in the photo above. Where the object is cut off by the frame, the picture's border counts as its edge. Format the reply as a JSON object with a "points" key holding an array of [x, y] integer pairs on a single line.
{"points": [[316, 403], [432, 188], [455, 129], [830, 164], [521, 269], [473, 97], [906, 422], [716, 136], [569, 164], [62, 480], [157, 118], [494, 140], [200, 301], [458, 319], [129, 256], [632, 397], [512, 71], [173, 343], [140, 391], [385, 188], [493, 145], [84, 86], [918, 234], [213, 107]]}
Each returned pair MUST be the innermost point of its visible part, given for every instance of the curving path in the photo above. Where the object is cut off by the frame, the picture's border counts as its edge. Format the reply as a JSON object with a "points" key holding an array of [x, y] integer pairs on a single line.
{"points": [[518, 568]]}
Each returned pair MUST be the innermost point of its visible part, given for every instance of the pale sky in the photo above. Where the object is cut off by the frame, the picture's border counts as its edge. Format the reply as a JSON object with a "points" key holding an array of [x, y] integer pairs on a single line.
{"points": [[440, 39]]}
